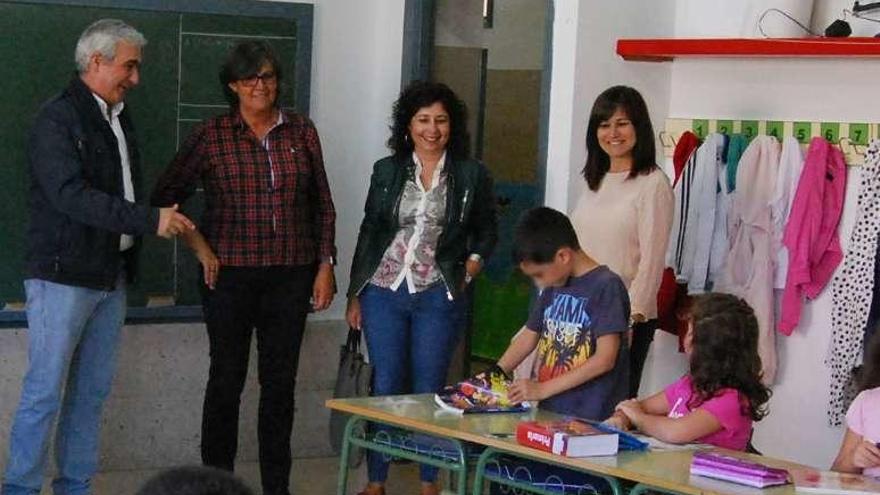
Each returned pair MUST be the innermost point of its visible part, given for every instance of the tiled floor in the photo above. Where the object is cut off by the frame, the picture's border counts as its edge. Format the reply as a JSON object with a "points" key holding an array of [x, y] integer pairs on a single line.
{"points": [[310, 477]]}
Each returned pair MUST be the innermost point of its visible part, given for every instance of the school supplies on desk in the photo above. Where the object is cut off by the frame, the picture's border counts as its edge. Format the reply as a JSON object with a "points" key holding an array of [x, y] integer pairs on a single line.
{"points": [[740, 471], [570, 438], [575, 438], [483, 393]]}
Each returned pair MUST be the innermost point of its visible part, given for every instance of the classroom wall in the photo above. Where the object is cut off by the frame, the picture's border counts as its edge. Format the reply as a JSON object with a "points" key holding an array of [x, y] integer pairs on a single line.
{"points": [[152, 418], [781, 89]]}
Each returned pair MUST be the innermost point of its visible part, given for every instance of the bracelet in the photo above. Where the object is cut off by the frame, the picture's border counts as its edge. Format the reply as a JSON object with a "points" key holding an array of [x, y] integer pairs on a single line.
{"points": [[496, 368]]}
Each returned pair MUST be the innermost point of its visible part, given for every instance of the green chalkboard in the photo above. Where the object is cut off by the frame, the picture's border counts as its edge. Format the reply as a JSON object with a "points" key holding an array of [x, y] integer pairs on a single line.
{"points": [[187, 42]]}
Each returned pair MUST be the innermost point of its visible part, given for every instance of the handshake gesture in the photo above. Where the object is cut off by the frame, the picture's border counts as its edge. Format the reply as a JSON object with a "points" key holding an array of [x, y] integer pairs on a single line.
{"points": [[172, 223]]}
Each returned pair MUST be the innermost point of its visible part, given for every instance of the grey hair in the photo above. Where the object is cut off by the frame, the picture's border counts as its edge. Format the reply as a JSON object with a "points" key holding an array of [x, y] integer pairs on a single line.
{"points": [[102, 37]]}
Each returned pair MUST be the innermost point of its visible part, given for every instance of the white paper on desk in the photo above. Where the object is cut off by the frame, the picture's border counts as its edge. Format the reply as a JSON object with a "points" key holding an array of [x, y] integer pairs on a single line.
{"points": [[398, 404]]}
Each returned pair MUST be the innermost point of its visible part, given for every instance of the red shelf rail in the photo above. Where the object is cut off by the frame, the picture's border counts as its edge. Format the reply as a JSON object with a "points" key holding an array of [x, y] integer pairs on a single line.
{"points": [[662, 50]]}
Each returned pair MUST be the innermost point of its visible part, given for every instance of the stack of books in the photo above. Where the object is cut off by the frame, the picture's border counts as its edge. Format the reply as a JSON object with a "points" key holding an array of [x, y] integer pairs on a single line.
{"points": [[576, 438]]}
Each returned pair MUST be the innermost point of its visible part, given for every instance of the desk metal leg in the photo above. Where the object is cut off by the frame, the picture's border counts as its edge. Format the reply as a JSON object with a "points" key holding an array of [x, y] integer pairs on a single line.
{"points": [[459, 466], [642, 489], [342, 480], [479, 480], [480, 477]]}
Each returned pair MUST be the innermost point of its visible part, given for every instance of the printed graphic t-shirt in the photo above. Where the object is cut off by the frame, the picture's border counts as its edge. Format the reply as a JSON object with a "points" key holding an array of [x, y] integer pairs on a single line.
{"points": [[736, 427], [569, 320]]}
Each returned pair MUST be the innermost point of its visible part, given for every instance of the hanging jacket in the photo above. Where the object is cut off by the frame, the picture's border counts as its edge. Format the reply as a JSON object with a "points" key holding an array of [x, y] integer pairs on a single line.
{"points": [[748, 271], [694, 218], [735, 148], [853, 288], [811, 232], [720, 243], [672, 299], [791, 164]]}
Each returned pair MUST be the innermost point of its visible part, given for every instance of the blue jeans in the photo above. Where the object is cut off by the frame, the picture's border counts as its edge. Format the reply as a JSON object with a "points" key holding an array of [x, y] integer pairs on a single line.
{"points": [[410, 338], [73, 334]]}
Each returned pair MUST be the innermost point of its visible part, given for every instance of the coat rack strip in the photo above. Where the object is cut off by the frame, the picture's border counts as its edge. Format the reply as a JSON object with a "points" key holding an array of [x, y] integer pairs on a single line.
{"points": [[851, 137]]}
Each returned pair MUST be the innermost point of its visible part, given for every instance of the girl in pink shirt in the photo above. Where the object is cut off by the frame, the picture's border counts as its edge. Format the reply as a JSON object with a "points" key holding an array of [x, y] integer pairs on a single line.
{"points": [[716, 402], [859, 452]]}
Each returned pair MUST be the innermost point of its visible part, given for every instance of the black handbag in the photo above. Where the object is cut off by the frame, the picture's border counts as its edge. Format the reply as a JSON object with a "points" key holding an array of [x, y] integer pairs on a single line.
{"points": [[352, 380]]}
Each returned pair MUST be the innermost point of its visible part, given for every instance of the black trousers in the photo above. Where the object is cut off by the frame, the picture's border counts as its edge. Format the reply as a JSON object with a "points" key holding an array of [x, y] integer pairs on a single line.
{"points": [[274, 301], [643, 335]]}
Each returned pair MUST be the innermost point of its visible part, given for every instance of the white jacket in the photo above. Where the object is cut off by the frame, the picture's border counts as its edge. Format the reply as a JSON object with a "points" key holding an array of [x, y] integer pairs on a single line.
{"points": [[791, 164], [693, 225]]}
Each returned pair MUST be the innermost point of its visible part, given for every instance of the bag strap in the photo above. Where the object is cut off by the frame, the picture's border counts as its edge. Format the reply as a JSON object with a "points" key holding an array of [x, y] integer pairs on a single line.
{"points": [[353, 344]]}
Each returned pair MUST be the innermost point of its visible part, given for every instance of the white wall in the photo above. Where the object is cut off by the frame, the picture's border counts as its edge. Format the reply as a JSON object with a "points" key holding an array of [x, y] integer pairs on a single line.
{"points": [[356, 70], [584, 64]]}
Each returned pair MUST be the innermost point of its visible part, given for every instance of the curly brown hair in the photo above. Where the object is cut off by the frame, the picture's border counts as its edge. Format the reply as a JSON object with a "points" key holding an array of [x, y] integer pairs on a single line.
{"points": [[725, 352], [420, 94]]}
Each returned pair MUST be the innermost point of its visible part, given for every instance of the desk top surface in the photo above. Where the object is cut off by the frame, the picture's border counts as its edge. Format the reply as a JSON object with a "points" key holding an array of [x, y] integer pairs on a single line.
{"points": [[666, 469]]}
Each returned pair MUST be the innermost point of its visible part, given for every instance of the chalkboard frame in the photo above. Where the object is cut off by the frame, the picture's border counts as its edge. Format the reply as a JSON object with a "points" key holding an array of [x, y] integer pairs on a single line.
{"points": [[300, 13]]}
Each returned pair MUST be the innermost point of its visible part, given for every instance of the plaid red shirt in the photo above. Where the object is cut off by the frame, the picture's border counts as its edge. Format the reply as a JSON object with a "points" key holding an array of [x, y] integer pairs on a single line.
{"points": [[265, 205]]}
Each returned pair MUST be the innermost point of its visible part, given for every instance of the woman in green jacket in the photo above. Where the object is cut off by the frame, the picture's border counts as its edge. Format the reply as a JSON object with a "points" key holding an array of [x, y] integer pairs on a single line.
{"points": [[429, 224]]}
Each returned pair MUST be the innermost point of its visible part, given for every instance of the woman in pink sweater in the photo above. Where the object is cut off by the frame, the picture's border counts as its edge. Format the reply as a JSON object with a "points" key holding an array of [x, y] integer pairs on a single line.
{"points": [[624, 213]]}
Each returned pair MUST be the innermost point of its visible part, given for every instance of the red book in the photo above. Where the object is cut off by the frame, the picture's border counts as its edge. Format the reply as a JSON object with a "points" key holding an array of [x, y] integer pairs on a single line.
{"points": [[570, 438]]}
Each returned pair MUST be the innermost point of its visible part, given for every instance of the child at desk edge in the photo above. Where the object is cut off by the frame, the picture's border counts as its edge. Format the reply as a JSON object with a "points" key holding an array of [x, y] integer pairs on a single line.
{"points": [[722, 394], [860, 450]]}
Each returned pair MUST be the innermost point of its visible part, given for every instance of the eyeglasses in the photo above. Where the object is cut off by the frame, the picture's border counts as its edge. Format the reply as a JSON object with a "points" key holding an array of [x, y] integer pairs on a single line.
{"points": [[268, 78]]}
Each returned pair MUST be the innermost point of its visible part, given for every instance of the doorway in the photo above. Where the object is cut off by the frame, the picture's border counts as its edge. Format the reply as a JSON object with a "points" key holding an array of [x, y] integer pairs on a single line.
{"points": [[495, 55]]}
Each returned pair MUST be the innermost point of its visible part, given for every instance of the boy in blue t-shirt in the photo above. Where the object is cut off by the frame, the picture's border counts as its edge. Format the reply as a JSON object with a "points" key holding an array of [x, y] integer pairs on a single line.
{"points": [[578, 324], [579, 327]]}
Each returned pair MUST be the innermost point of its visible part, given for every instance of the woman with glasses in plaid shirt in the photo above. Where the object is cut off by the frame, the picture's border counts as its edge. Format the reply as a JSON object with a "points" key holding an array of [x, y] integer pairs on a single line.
{"points": [[266, 247]]}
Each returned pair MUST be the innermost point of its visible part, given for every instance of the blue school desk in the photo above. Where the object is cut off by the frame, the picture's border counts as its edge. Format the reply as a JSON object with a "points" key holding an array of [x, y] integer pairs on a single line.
{"points": [[460, 443]]}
